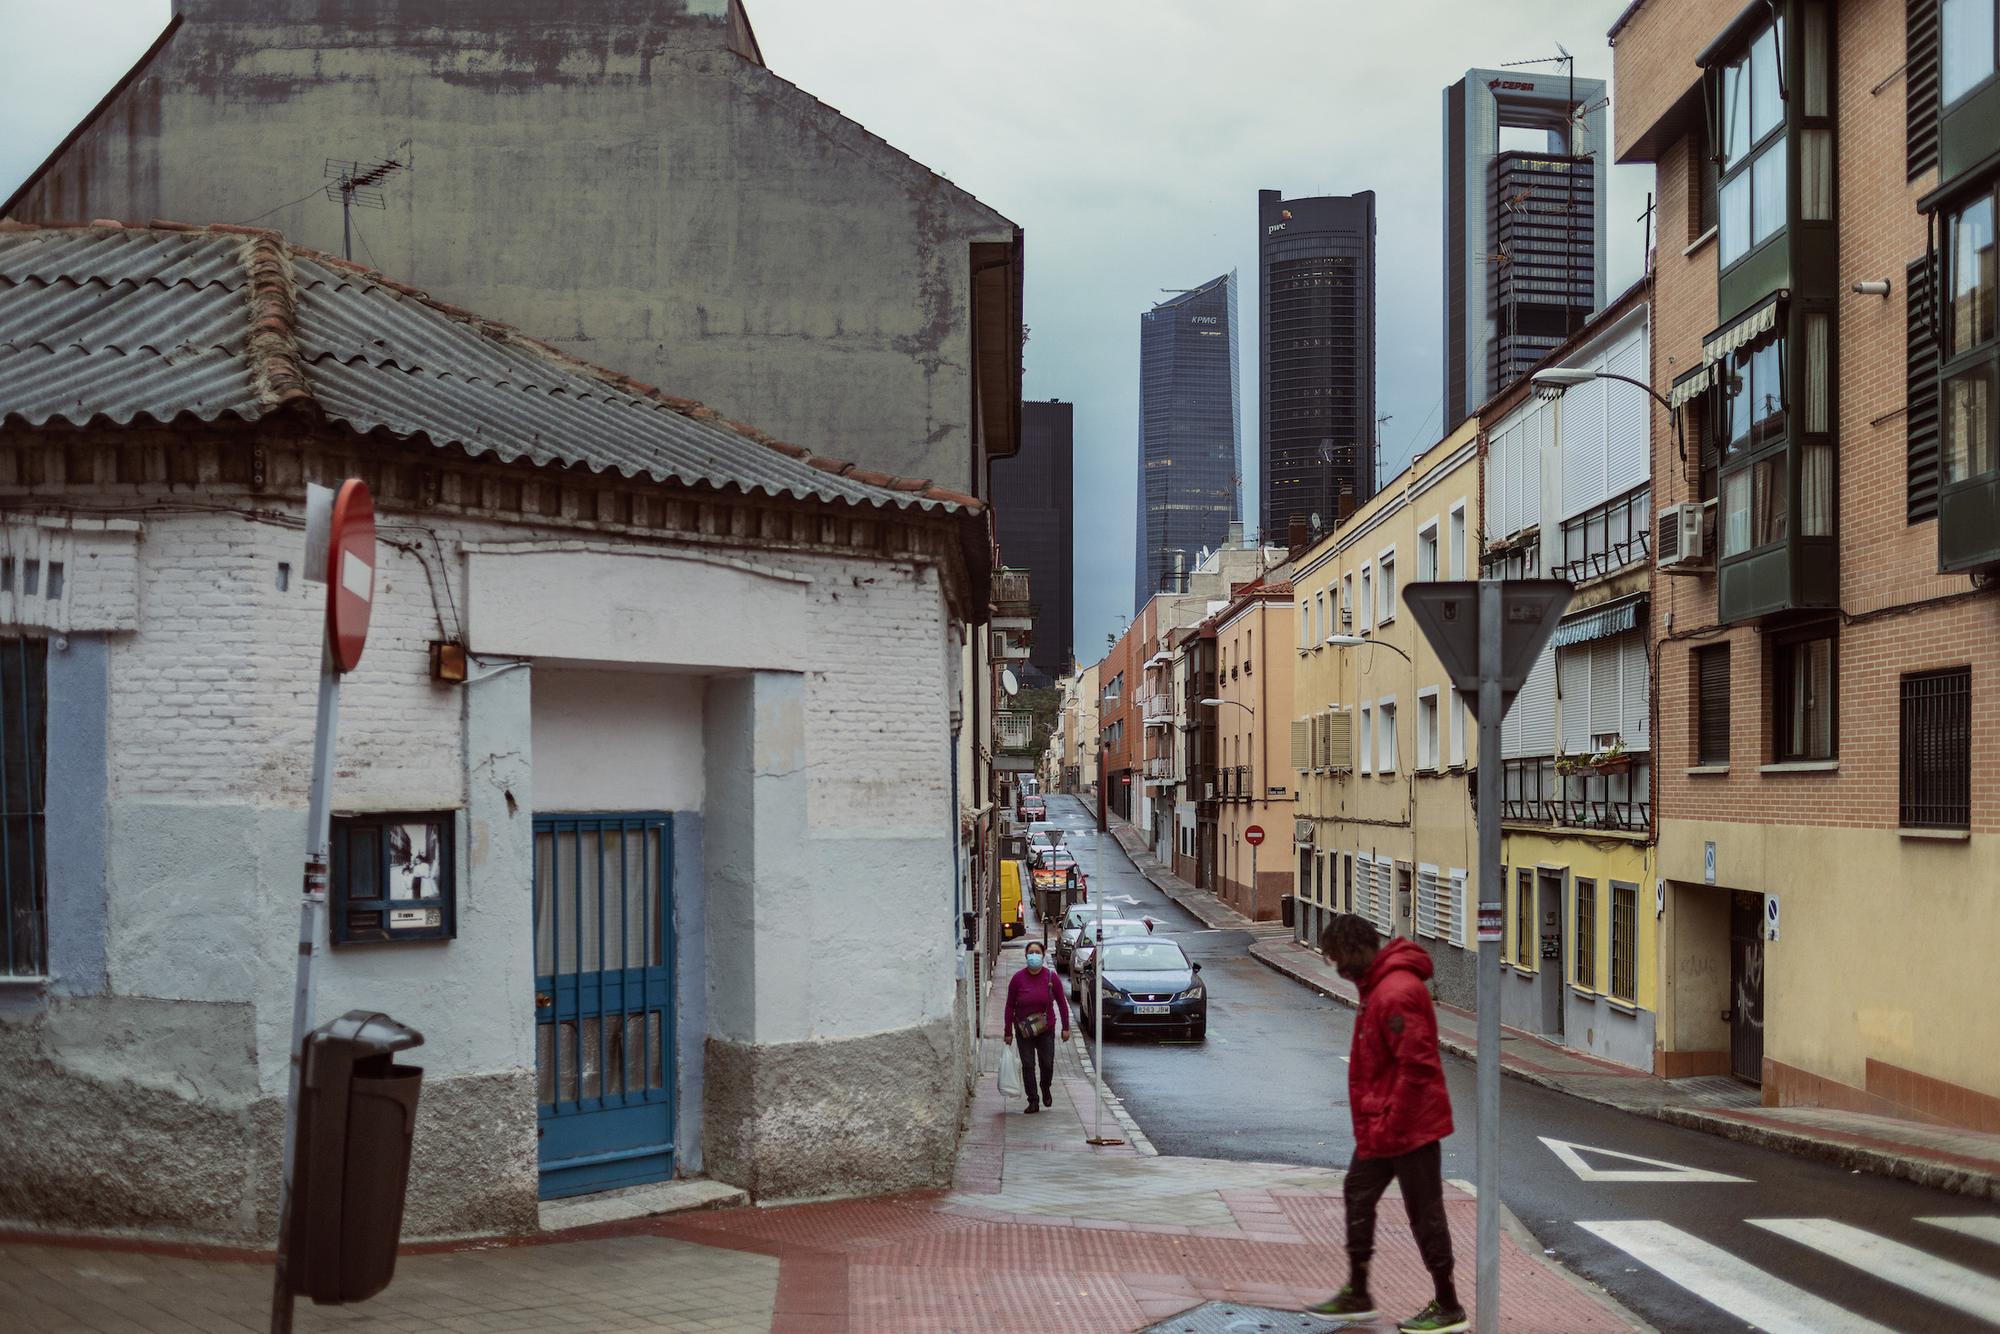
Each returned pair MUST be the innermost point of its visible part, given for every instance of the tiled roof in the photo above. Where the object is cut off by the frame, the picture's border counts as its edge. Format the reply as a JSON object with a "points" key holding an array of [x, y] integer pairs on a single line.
{"points": [[116, 323]]}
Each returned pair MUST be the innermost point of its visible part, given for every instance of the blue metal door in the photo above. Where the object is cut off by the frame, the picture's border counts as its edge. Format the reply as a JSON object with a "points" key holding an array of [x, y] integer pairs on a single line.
{"points": [[604, 1010]]}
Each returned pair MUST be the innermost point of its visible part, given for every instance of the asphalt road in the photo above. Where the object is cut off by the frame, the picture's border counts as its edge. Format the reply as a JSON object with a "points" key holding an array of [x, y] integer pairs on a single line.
{"points": [[1269, 1085]]}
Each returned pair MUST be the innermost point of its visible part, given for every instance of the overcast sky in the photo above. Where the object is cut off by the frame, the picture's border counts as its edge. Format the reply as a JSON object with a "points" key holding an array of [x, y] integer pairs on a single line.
{"points": [[1128, 137]]}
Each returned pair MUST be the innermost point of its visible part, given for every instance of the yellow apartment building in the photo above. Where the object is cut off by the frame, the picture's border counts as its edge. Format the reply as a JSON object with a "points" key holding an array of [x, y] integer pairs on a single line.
{"points": [[1252, 714], [1380, 746]]}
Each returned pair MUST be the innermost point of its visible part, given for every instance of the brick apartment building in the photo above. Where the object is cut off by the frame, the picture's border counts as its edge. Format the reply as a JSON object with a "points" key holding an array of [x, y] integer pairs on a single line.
{"points": [[1827, 675]]}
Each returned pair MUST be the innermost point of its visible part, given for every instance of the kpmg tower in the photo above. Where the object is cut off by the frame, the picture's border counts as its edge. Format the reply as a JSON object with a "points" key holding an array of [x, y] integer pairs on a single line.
{"points": [[1316, 357], [1524, 183], [1034, 516], [1190, 446]]}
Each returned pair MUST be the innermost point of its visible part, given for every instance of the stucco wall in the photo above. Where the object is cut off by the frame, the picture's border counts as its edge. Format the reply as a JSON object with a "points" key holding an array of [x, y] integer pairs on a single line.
{"points": [[610, 177], [209, 712]]}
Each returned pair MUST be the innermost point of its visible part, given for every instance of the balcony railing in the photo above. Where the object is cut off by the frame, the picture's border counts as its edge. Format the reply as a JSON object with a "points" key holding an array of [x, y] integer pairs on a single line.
{"points": [[1617, 795], [1010, 590], [1159, 711], [1013, 732], [1608, 537]]}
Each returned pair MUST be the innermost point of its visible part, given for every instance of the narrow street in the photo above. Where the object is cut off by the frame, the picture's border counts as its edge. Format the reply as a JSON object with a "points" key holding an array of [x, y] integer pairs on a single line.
{"points": [[1791, 1245]]}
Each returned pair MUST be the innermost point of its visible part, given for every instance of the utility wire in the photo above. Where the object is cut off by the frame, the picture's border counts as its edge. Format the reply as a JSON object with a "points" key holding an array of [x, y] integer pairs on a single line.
{"points": [[280, 208]]}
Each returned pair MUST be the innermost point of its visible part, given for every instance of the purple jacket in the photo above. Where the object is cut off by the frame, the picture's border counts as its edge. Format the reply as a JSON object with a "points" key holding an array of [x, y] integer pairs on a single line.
{"points": [[1029, 991]]}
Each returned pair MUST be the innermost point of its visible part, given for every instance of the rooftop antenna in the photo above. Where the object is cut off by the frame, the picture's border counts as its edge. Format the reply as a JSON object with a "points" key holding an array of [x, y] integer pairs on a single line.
{"points": [[1375, 464], [1568, 62], [355, 185]]}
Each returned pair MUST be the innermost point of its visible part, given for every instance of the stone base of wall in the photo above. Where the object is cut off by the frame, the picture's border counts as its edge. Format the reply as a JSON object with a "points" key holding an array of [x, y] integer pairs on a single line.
{"points": [[143, 1115], [1454, 975], [846, 1116], [1689, 1064], [1892, 1091]]}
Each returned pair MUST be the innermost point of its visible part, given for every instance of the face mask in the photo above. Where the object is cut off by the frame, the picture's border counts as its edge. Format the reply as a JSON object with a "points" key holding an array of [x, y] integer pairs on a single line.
{"points": [[1034, 962]]}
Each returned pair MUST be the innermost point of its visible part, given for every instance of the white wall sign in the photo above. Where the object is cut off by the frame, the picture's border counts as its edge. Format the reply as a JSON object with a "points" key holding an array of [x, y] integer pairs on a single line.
{"points": [[1708, 863], [1770, 917]]}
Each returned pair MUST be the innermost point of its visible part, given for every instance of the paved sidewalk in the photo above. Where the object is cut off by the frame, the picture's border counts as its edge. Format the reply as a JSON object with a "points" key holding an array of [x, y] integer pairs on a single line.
{"points": [[1041, 1234]]}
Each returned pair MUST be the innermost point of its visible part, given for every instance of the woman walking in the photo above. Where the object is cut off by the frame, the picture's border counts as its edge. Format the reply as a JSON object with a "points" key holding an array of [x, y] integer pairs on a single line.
{"points": [[1034, 1000]]}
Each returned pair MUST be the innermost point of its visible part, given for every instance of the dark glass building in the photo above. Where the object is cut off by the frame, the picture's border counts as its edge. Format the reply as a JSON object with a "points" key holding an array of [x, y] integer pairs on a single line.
{"points": [[1190, 443], [1524, 191], [1034, 515], [1316, 368]]}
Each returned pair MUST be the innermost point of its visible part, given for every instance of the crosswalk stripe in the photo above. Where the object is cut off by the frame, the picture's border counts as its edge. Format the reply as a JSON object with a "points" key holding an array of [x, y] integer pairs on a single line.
{"points": [[1723, 1281], [1984, 1227], [1905, 1266]]}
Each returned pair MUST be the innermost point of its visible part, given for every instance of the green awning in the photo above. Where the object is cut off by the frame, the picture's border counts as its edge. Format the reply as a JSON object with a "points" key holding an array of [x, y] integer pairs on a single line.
{"points": [[1600, 624]]}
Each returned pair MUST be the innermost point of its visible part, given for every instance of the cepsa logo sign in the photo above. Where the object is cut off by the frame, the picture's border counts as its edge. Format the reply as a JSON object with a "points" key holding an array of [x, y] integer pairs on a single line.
{"points": [[1512, 85]]}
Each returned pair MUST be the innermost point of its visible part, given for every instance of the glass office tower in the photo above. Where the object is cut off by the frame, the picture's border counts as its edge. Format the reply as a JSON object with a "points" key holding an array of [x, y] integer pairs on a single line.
{"points": [[1034, 514], [1190, 442]]}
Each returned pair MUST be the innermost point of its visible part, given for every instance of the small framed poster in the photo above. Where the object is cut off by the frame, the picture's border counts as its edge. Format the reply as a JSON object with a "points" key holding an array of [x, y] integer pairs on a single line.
{"points": [[392, 877]]}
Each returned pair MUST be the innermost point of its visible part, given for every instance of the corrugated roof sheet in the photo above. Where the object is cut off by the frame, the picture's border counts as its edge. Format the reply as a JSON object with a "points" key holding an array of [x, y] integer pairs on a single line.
{"points": [[115, 323]]}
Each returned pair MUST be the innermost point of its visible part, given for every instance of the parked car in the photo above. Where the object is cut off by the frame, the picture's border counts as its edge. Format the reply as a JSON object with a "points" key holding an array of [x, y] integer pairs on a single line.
{"points": [[1115, 928], [1033, 808], [1148, 984], [1073, 924]]}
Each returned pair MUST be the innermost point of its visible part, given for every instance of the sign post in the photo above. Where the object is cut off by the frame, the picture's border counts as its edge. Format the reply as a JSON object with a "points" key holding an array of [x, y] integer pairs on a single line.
{"points": [[1254, 836], [1487, 634], [340, 552]]}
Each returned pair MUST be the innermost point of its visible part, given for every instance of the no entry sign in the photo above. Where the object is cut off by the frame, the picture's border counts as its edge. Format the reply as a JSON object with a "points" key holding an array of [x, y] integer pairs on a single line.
{"points": [[350, 573], [1254, 835]]}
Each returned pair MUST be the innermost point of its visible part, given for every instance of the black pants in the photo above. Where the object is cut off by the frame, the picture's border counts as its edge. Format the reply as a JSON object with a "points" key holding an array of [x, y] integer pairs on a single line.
{"points": [[1420, 1172], [1042, 1050]]}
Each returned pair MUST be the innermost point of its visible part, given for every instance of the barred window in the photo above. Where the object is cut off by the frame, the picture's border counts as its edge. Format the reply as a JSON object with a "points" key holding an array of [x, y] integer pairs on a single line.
{"points": [[23, 791], [1936, 760], [1586, 934], [1624, 941], [1524, 917]]}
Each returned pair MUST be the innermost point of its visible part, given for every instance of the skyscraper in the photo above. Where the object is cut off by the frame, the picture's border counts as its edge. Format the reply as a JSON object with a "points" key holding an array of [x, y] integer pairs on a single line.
{"points": [[1524, 188], [1316, 363], [1190, 443], [1034, 513]]}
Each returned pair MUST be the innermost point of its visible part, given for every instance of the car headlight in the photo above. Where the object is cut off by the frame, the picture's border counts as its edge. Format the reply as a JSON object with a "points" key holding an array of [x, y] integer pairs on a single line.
{"points": [[1195, 992]]}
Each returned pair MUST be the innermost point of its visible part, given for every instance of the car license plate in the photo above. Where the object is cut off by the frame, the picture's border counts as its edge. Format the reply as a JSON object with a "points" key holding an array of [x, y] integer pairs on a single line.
{"points": [[1151, 1009]]}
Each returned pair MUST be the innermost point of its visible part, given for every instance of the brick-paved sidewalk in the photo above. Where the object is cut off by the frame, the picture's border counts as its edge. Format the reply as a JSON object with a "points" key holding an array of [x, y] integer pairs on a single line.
{"points": [[1964, 1161], [1041, 1234]]}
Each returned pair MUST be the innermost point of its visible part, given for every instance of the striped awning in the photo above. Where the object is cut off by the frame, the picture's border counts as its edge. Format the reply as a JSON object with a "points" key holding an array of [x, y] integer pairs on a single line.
{"points": [[1692, 385], [1600, 624], [1743, 332]]}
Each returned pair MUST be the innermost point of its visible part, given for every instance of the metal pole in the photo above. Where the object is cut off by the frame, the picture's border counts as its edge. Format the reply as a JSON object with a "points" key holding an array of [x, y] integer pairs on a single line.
{"points": [[1097, 1006], [1487, 1140], [312, 920]]}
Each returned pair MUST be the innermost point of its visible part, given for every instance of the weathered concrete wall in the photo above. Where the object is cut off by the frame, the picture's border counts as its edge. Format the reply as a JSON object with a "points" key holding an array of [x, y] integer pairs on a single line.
{"points": [[207, 725], [609, 176]]}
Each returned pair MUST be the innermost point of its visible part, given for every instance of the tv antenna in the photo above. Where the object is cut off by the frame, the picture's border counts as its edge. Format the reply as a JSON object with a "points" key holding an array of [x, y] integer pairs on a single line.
{"points": [[357, 185], [1570, 117]]}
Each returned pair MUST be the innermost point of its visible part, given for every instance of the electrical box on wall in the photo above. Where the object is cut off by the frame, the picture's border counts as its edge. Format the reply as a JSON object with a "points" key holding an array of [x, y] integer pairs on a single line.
{"points": [[393, 878]]}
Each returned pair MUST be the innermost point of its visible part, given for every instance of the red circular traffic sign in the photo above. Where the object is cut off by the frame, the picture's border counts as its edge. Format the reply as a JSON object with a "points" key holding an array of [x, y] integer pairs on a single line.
{"points": [[350, 573], [1254, 835]]}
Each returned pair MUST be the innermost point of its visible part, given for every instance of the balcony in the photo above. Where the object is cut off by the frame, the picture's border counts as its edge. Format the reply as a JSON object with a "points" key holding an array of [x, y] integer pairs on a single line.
{"points": [[1013, 732], [1010, 593], [1615, 796], [1608, 537], [1159, 712]]}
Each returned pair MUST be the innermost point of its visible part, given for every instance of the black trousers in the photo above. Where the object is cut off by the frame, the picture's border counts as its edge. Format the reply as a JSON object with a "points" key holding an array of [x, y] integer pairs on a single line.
{"points": [[1420, 1172], [1040, 1050]]}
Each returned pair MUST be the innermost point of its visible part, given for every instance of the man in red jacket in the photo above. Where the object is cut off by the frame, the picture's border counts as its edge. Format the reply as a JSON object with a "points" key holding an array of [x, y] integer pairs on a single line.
{"points": [[1396, 1092]]}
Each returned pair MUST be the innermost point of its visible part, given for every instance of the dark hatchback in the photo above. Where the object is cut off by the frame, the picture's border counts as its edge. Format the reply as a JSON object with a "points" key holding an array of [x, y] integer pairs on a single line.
{"points": [[1148, 984]]}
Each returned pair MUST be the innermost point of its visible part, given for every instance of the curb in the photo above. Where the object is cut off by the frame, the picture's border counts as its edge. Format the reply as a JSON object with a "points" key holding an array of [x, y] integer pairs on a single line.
{"points": [[1972, 1182], [1133, 1135]]}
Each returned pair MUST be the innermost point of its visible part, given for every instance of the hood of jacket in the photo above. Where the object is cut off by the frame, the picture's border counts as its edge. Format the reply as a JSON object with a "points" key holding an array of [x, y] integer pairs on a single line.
{"points": [[1399, 955]]}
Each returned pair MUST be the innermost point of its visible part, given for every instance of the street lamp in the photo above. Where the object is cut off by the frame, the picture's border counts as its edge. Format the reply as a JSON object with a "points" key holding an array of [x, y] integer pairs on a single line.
{"points": [[1218, 703], [1356, 641], [1552, 381]]}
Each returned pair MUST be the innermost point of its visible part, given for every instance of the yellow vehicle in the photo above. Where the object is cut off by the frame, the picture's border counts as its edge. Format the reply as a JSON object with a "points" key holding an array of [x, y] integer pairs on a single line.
{"points": [[1013, 921]]}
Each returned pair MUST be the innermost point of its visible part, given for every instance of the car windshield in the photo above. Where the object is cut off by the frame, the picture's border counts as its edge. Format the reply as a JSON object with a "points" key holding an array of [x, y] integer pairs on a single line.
{"points": [[1144, 956], [1112, 930]]}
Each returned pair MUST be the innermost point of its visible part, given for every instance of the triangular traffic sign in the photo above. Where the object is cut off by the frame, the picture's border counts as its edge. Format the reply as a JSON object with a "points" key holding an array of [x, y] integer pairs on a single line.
{"points": [[1655, 1170], [1448, 613]]}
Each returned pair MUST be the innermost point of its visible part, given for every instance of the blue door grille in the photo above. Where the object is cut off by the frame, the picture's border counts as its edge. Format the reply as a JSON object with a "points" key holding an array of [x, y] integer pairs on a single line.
{"points": [[604, 1000]]}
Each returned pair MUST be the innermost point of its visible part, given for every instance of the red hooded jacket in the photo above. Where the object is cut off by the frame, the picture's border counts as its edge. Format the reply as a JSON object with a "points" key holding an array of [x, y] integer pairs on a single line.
{"points": [[1395, 1081]]}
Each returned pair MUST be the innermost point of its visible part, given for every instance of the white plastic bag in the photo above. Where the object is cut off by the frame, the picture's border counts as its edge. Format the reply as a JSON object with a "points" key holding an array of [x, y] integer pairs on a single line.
{"points": [[1010, 1073]]}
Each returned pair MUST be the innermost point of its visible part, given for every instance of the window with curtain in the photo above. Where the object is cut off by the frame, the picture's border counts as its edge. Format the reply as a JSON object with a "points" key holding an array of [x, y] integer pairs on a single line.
{"points": [[1803, 696], [1751, 146], [1970, 378]]}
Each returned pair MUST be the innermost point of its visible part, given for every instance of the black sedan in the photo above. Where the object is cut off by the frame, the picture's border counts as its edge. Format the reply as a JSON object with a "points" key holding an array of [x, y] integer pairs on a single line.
{"points": [[1148, 984]]}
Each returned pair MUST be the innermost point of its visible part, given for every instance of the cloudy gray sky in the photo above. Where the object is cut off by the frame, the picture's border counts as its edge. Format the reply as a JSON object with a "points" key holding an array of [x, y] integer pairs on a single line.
{"points": [[1129, 138]]}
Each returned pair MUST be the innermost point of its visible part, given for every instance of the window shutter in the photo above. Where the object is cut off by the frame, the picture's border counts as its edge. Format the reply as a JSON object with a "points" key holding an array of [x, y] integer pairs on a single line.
{"points": [[1606, 714], [1920, 87], [1712, 709], [1301, 745], [1628, 423], [1573, 676], [1920, 419], [1533, 716], [1340, 740]]}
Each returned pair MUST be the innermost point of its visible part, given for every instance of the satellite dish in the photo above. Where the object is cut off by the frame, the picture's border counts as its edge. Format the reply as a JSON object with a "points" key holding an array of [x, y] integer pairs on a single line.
{"points": [[1009, 685]]}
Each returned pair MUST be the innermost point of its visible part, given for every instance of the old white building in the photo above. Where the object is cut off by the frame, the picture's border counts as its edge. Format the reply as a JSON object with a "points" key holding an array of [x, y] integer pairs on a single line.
{"points": [[618, 878]]}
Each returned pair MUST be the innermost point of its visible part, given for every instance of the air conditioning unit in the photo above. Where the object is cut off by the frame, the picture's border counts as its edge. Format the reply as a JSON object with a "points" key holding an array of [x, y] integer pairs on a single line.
{"points": [[1680, 537]]}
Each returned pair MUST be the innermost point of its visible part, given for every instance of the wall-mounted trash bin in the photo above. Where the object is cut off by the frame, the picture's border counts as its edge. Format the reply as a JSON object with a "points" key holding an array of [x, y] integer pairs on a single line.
{"points": [[1288, 908], [357, 1111]]}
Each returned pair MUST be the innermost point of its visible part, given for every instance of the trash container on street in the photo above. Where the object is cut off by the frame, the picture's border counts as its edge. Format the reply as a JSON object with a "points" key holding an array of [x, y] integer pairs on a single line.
{"points": [[1287, 908], [357, 1111]]}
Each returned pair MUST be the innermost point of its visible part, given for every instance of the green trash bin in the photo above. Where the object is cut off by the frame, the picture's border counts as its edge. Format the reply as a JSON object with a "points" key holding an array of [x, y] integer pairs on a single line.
{"points": [[357, 1113]]}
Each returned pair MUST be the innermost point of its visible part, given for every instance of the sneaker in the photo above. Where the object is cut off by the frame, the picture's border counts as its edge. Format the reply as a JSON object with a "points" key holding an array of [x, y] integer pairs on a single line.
{"points": [[1032, 1109], [1347, 1304], [1435, 1319]]}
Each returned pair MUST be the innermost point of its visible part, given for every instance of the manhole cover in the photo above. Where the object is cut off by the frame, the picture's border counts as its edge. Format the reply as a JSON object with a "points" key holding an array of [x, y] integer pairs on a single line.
{"points": [[1234, 1318]]}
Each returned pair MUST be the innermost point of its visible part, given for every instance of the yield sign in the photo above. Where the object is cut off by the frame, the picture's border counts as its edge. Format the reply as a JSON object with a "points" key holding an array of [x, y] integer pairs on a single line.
{"points": [[1654, 1170], [1448, 614]]}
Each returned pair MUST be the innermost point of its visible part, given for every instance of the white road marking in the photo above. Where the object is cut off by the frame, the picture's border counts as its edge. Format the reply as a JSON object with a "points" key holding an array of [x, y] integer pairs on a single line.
{"points": [[1732, 1285], [1907, 1267], [1983, 1226], [1655, 1171]]}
